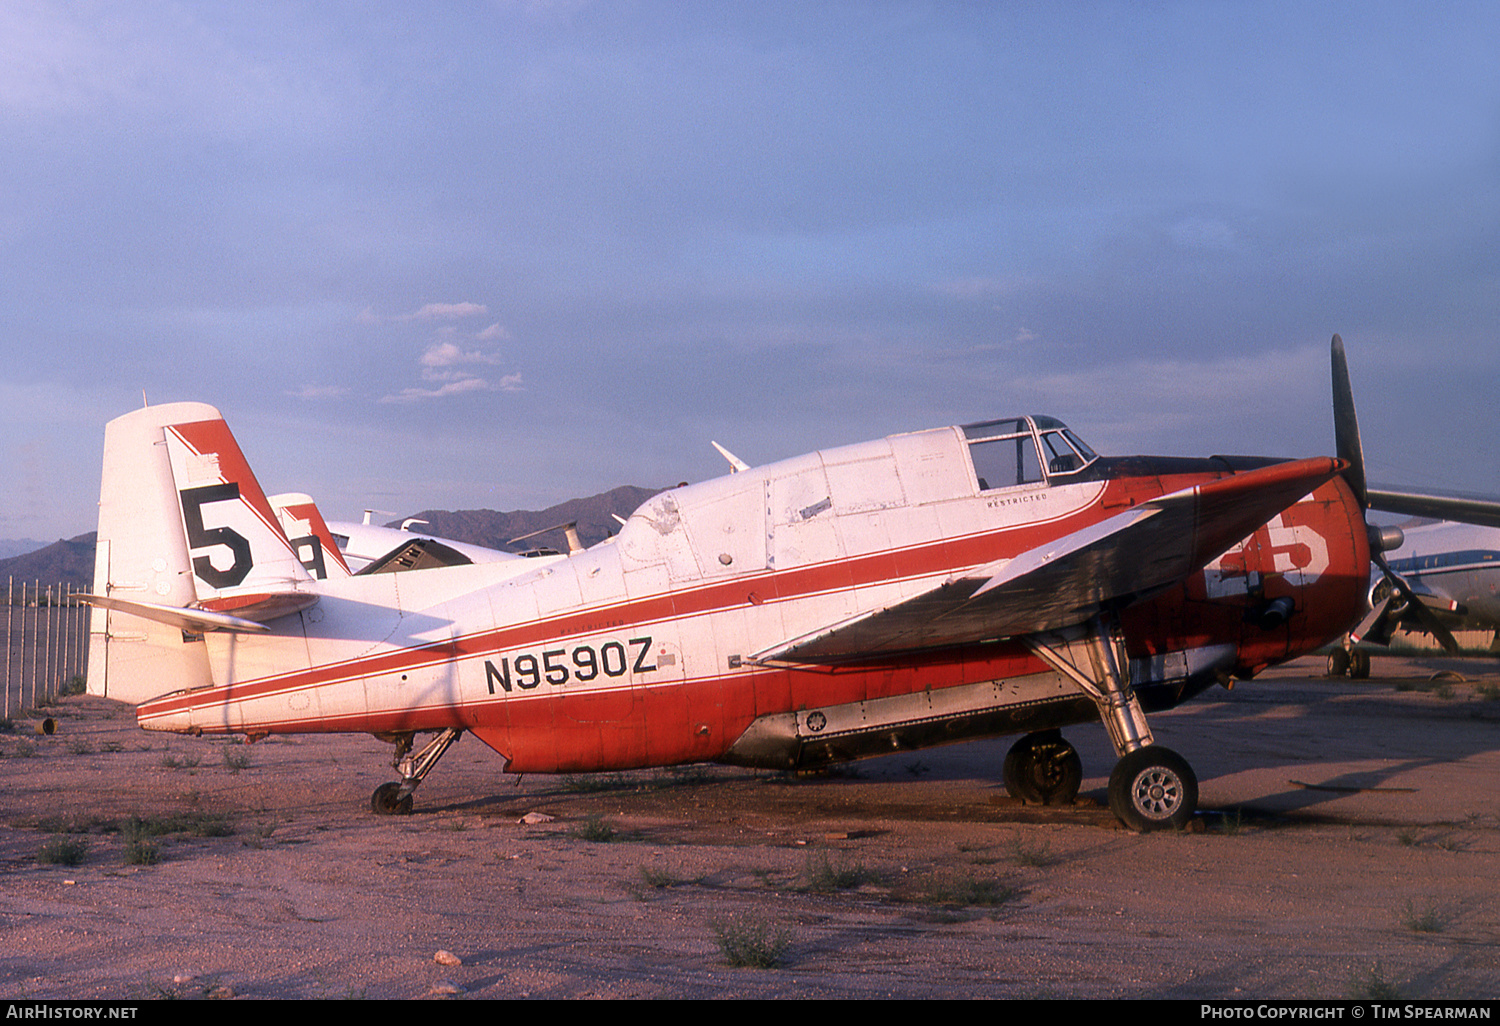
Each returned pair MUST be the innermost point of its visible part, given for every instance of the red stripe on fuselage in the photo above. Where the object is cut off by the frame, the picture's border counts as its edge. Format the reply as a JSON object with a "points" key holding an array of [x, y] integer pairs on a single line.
{"points": [[927, 559], [671, 722], [701, 600]]}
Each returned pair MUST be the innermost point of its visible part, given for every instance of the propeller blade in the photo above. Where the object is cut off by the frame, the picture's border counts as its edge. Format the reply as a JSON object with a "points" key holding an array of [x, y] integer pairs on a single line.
{"points": [[1346, 424], [1414, 604], [1468, 509], [1374, 627]]}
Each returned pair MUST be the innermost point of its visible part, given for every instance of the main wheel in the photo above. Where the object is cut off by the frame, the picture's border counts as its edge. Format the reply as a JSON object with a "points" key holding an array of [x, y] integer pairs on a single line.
{"points": [[1359, 664], [1338, 662], [1043, 769], [386, 801], [1153, 788]]}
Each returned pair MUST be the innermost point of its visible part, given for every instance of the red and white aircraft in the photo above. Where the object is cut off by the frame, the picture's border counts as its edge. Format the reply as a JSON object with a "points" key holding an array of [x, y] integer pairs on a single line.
{"points": [[926, 588]]}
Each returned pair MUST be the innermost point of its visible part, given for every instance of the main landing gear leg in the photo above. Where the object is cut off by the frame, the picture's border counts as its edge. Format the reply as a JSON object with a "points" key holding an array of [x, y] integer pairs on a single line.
{"points": [[394, 799], [1152, 787]]}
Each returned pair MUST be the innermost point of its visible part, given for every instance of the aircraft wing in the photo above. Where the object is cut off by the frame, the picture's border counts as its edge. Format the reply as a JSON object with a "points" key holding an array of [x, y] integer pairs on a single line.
{"points": [[1064, 582], [1466, 509]]}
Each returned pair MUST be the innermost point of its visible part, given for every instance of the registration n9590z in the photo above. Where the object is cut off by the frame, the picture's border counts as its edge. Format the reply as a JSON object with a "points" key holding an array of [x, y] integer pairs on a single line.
{"points": [[561, 665]]}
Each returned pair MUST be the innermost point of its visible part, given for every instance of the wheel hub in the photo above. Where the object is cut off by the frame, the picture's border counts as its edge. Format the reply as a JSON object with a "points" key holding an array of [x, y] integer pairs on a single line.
{"points": [[1158, 793]]}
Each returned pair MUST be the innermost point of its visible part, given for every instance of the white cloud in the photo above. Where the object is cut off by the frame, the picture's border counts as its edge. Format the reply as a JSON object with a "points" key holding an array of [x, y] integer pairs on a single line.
{"points": [[445, 364], [318, 392], [434, 312], [449, 354], [456, 387], [449, 311]]}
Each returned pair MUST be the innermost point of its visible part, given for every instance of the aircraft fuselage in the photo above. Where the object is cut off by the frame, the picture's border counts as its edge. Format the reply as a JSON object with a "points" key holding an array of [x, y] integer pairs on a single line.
{"points": [[650, 649]]}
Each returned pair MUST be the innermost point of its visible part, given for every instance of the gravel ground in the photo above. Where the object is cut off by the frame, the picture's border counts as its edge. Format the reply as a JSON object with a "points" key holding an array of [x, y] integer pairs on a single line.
{"points": [[1348, 846]]}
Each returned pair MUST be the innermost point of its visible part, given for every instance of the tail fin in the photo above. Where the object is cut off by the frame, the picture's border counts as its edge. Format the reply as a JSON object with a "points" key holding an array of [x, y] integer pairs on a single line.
{"points": [[309, 535], [187, 543]]}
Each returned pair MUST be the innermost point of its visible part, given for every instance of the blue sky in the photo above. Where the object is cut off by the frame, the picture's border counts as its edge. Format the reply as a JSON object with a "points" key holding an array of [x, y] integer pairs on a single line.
{"points": [[502, 254]]}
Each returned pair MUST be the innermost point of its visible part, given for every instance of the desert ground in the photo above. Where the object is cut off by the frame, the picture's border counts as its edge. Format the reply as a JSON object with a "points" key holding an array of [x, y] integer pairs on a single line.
{"points": [[1348, 845]]}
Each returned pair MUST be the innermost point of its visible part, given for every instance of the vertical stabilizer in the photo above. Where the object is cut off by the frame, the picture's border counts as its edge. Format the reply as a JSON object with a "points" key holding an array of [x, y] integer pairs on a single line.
{"points": [[143, 557], [239, 553], [309, 535], [183, 524]]}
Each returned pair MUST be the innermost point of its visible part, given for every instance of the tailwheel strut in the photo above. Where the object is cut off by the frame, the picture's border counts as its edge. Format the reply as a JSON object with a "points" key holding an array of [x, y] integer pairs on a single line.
{"points": [[1151, 787], [394, 799]]}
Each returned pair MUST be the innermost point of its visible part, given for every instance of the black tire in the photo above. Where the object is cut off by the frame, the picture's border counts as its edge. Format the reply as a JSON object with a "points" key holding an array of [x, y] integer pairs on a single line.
{"points": [[385, 801], [1043, 769], [1338, 663], [1359, 664], [1153, 788]]}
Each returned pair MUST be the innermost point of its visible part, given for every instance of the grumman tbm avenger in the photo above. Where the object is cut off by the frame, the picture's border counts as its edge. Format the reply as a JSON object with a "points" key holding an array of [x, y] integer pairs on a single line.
{"points": [[992, 578]]}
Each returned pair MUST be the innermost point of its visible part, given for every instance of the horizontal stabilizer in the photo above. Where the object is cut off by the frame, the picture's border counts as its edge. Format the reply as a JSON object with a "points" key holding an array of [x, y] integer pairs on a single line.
{"points": [[1115, 561], [195, 621]]}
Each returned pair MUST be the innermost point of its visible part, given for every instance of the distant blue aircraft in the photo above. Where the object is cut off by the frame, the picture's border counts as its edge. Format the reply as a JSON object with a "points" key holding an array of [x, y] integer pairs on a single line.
{"points": [[1443, 576]]}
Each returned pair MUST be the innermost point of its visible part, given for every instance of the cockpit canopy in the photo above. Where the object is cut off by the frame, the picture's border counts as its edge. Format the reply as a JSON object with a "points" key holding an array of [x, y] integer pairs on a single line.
{"points": [[1024, 450]]}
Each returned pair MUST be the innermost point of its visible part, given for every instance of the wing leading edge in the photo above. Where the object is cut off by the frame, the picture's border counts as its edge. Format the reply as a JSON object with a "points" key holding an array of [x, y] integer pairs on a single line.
{"points": [[1466, 509], [1115, 561]]}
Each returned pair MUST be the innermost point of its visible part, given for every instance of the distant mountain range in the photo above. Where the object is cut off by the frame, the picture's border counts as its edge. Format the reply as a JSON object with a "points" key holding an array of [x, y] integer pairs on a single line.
{"points": [[495, 530], [65, 561], [18, 546], [71, 561]]}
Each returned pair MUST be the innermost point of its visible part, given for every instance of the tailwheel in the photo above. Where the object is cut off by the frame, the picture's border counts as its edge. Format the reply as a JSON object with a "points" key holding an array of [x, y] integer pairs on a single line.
{"points": [[394, 799], [1153, 788], [1043, 769], [389, 801]]}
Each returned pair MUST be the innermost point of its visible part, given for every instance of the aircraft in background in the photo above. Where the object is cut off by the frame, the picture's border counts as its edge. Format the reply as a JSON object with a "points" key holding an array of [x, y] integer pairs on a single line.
{"points": [[1404, 595], [309, 535], [997, 577], [1451, 572], [365, 544], [339, 549], [1458, 567]]}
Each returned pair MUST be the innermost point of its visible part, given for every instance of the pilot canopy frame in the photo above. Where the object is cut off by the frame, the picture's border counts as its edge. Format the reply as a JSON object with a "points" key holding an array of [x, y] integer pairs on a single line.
{"points": [[1028, 450]]}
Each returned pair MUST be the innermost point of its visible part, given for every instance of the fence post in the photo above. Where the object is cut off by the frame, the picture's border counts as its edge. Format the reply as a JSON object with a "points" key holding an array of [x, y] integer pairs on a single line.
{"points": [[49, 681], [10, 601], [86, 624], [65, 640], [81, 641], [25, 677], [36, 630], [59, 624], [10, 588], [71, 634]]}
